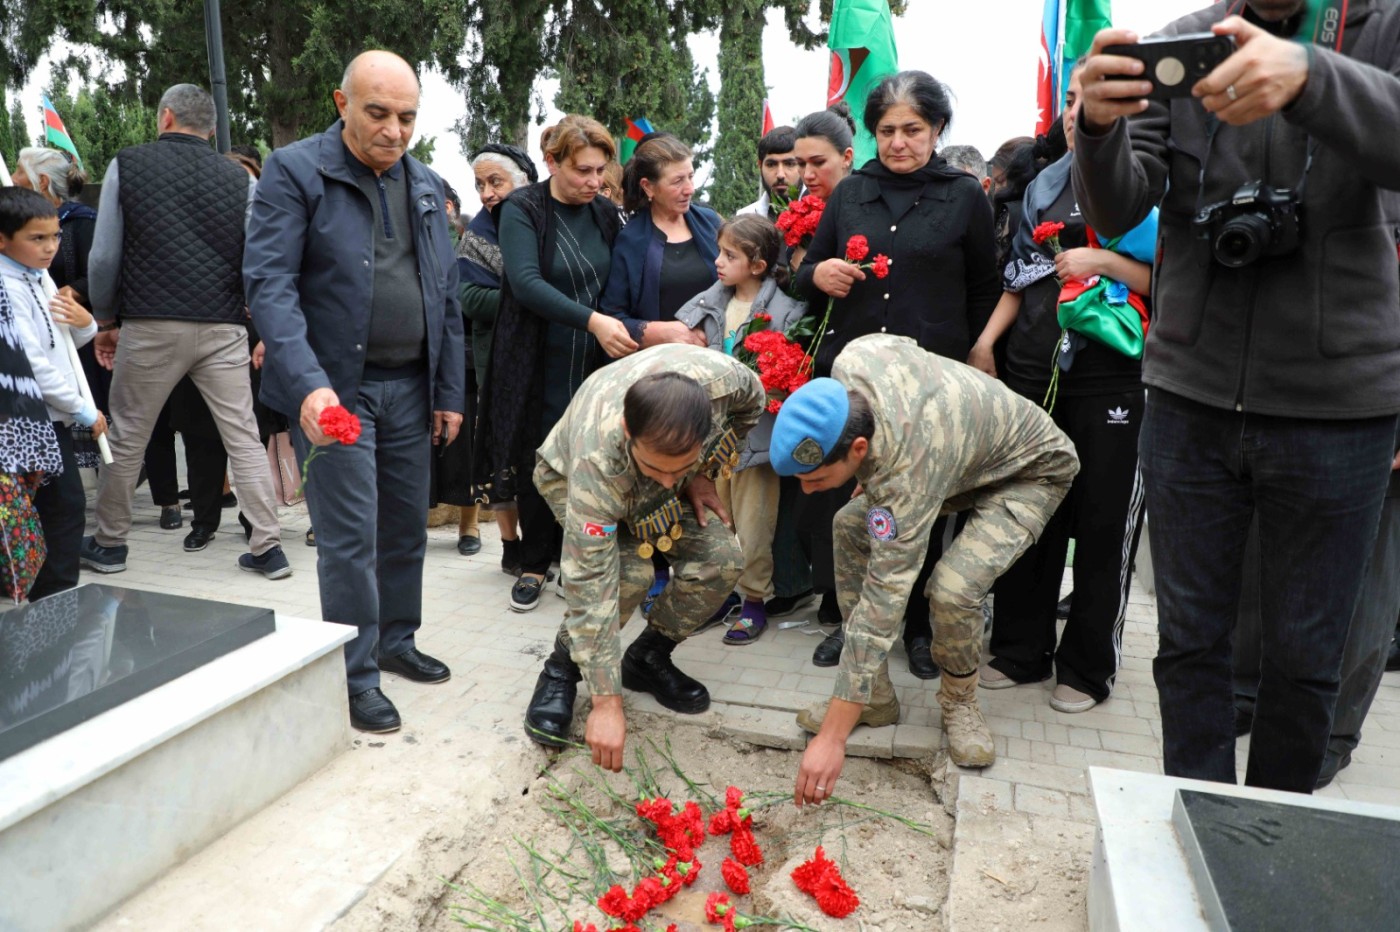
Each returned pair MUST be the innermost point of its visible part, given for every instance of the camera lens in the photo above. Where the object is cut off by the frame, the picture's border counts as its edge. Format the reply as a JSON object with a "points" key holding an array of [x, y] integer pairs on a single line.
{"points": [[1241, 240]]}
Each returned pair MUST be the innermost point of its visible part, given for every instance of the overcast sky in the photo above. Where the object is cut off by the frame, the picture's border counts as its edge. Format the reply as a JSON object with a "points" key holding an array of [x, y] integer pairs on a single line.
{"points": [[985, 52]]}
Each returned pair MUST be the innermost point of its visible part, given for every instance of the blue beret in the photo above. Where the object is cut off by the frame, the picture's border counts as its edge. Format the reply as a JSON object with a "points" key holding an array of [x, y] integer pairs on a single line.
{"points": [[809, 425]]}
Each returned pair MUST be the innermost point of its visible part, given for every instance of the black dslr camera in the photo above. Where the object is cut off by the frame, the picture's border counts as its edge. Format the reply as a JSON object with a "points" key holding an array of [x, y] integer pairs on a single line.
{"points": [[1260, 220]]}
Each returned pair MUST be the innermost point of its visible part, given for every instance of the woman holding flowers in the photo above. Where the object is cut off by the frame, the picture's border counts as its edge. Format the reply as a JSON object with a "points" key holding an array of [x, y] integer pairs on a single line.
{"points": [[934, 225], [1095, 394]]}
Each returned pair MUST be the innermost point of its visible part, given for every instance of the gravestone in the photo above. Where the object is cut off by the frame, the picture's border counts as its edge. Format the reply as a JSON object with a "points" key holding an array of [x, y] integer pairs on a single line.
{"points": [[1264, 865], [76, 654]]}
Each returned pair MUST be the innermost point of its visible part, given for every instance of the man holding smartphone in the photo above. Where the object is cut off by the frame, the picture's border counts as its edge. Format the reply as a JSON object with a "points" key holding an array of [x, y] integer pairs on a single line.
{"points": [[1273, 361]]}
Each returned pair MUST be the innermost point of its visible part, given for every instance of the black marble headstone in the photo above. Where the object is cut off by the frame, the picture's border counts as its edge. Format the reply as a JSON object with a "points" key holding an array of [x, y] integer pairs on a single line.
{"points": [[1269, 866], [76, 654]]}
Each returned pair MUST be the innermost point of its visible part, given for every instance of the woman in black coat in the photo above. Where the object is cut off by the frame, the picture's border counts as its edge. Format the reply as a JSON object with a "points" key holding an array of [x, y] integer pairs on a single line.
{"points": [[935, 225]]}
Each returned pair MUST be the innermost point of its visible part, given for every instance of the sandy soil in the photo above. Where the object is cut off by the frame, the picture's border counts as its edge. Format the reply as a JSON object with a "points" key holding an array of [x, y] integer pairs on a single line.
{"points": [[899, 872]]}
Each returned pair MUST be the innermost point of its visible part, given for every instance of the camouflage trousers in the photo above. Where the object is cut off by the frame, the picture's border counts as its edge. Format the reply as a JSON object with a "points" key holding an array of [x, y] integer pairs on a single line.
{"points": [[705, 565], [1004, 521]]}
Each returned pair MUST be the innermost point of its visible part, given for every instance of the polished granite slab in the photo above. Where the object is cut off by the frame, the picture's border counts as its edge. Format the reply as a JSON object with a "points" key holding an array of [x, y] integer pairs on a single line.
{"points": [[77, 654], [1264, 865]]}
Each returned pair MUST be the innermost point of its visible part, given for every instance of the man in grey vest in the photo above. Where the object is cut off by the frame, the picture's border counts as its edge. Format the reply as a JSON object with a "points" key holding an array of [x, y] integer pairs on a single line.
{"points": [[352, 280], [164, 280]]}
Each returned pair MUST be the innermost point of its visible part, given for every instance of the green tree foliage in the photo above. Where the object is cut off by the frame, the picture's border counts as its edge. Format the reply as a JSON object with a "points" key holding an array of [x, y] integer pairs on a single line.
{"points": [[282, 58], [510, 47], [740, 105], [19, 132], [101, 122]]}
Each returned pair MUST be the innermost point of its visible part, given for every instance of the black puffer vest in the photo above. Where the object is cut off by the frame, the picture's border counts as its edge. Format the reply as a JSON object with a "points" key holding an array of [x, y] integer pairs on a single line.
{"points": [[183, 206]]}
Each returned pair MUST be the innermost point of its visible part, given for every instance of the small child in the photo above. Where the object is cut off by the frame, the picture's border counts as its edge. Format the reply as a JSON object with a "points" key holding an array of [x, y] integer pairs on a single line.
{"points": [[29, 240], [748, 268]]}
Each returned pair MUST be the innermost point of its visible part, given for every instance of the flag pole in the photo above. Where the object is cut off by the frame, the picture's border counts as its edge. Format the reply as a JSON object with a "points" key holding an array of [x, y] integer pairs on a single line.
{"points": [[1058, 103]]}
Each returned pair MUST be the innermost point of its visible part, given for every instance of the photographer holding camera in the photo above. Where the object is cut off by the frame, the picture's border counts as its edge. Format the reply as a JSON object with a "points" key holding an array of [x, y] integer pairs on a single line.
{"points": [[1273, 361]]}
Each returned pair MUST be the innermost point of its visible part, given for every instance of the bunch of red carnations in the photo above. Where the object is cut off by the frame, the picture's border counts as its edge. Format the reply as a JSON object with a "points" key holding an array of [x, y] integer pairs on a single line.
{"points": [[799, 220], [821, 879]]}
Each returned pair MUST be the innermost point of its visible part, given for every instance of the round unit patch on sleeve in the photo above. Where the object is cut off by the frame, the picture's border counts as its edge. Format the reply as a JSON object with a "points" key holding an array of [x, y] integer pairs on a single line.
{"points": [[881, 524]]}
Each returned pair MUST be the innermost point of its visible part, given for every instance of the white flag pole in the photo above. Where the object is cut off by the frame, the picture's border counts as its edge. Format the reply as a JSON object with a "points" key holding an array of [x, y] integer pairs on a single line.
{"points": [[5, 179], [50, 290]]}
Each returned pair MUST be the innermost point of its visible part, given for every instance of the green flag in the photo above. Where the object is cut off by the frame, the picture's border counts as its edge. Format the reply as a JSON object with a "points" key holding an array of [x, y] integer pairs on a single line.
{"points": [[861, 39], [1083, 20]]}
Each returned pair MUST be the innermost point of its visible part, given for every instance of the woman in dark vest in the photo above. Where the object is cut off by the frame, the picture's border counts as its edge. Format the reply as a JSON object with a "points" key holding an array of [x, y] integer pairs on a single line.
{"points": [[556, 241]]}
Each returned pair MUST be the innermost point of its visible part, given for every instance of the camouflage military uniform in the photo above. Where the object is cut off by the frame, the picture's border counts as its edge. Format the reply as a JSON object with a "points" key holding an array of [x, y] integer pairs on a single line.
{"points": [[947, 438], [586, 472]]}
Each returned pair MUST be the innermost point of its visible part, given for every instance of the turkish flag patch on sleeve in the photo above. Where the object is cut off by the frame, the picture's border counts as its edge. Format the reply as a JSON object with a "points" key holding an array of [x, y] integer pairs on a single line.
{"points": [[592, 529]]}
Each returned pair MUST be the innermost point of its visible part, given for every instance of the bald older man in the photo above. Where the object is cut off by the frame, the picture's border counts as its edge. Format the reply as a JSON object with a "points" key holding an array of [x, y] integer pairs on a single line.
{"points": [[352, 282]]}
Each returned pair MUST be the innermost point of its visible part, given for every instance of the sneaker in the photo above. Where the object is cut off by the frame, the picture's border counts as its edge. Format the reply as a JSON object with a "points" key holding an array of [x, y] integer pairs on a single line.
{"points": [[272, 564], [783, 605], [170, 517], [1068, 699], [731, 607], [989, 677], [102, 559], [658, 585], [525, 594]]}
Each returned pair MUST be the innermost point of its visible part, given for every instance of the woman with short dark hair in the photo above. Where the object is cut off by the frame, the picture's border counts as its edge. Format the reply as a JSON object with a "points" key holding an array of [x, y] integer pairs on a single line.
{"points": [[935, 224], [556, 240], [666, 253]]}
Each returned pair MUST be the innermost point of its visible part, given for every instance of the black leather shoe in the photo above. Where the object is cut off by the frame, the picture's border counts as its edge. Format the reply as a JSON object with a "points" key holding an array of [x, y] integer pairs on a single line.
{"points": [[372, 711], [828, 652], [551, 709], [1062, 607], [647, 668], [170, 517], [1392, 660], [921, 663], [468, 545], [1332, 764], [782, 605], [197, 539], [415, 665]]}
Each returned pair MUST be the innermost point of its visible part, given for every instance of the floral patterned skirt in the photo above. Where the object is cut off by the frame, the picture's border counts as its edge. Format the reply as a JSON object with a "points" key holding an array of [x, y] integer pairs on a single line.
{"points": [[22, 550]]}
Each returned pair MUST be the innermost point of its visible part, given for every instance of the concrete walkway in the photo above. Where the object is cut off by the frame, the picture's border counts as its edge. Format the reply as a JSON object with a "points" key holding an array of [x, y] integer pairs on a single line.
{"points": [[1034, 801]]}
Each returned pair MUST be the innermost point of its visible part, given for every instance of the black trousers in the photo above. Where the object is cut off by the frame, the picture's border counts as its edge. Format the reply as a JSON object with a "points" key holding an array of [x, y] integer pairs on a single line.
{"points": [[61, 504], [160, 461], [541, 537], [1103, 513]]}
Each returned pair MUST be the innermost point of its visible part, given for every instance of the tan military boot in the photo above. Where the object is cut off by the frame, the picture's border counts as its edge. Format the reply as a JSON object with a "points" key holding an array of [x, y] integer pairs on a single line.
{"points": [[883, 709], [969, 740]]}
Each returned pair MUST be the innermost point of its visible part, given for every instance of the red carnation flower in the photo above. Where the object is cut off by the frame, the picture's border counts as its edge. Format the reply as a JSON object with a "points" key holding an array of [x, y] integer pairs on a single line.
{"points": [[735, 877], [838, 900], [880, 265], [857, 248], [723, 822], [339, 424], [1048, 233], [580, 927], [821, 878], [745, 848], [614, 902], [717, 906]]}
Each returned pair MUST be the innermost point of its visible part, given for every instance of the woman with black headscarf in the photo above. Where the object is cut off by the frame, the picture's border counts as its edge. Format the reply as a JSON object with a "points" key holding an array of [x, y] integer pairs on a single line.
{"points": [[499, 169]]}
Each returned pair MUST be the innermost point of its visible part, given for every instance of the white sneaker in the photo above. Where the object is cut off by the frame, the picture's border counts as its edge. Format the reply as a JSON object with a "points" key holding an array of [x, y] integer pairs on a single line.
{"points": [[989, 677], [1070, 700]]}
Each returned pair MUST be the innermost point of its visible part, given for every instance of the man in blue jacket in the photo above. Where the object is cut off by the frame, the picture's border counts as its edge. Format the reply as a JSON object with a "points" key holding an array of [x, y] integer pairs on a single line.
{"points": [[352, 282]]}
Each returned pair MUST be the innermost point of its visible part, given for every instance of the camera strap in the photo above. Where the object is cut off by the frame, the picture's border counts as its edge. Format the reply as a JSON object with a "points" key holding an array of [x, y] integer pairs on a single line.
{"points": [[1325, 24]]}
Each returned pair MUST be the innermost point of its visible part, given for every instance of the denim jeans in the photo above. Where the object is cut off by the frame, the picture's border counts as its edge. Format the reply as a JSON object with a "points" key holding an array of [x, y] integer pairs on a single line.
{"points": [[1316, 488], [369, 506]]}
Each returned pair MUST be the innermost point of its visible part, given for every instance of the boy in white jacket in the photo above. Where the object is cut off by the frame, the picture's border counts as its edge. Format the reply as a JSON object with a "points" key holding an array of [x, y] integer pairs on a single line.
{"points": [[29, 240]]}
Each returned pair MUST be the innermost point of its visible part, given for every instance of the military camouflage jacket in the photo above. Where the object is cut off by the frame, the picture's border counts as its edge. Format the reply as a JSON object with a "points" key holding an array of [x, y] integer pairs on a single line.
{"points": [[942, 431], [605, 490]]}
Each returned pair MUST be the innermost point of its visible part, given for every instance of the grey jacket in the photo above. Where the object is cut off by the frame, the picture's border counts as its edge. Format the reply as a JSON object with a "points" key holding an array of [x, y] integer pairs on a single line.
{"points": [[707, 310], [1315, 334]]}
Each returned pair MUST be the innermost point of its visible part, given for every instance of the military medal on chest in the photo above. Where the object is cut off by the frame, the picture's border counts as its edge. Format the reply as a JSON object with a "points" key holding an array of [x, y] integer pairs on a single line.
{"points": [[658, 529], [723, 457]]}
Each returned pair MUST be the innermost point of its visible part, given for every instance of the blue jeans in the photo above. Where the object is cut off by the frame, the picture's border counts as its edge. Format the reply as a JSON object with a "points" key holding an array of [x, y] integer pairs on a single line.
{"points": [[1317, 488], [369, 506]]}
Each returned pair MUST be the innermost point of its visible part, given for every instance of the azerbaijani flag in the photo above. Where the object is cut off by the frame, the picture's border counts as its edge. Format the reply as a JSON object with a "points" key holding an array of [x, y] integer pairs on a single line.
{"points": [[1067, 31], [636, 129], [56, 134], [767, 119], [861, 39]]}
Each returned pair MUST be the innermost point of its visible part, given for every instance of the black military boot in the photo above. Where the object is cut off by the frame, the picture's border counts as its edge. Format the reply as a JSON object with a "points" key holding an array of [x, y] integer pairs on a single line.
{"points": [[647, 668], [551, 709]]}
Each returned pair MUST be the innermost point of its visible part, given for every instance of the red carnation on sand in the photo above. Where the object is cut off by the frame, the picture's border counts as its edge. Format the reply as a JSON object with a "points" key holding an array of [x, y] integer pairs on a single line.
{"points": [[857, 248], [744, 847], [580, 927], [880, 265], [821, 878], [717, 906], [735, 877]]}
